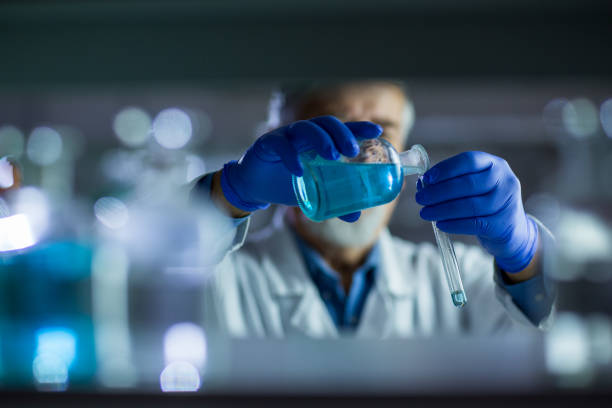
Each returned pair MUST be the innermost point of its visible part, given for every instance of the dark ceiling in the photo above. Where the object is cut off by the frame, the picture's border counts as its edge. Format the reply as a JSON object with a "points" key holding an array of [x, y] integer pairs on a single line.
{"points": [[101, 42]]}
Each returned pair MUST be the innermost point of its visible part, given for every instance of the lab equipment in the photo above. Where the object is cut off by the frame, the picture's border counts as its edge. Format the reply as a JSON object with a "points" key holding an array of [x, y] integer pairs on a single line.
{"points": [[330, 189], [451, 267], [263, 174]]}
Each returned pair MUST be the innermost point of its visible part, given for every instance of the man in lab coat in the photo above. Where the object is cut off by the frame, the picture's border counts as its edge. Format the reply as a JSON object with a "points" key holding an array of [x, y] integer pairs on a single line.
{"points": [[348, 275]]}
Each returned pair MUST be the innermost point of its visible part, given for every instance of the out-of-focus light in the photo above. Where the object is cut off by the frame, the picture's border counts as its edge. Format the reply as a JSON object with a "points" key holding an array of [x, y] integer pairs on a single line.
{"points": [[185, 342], [15, 233], [172, 128], [195, 167], [580, 118], [132, 126], [111, 212], [50, 369], [55, 353], [605, 115], [567, 346], [179, 376], [44, 146], [583, 236], [123, 166], [12, 141], [7, 178], [58, 341], [34, 204]]}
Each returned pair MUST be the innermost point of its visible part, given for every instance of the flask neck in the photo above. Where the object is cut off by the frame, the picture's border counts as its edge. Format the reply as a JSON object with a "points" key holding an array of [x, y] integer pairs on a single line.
{"points": [[414, 161]]}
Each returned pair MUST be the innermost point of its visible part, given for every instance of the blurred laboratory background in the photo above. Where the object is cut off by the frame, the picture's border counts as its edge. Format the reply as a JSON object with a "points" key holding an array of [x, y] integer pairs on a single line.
{"points": [[108, 110]]}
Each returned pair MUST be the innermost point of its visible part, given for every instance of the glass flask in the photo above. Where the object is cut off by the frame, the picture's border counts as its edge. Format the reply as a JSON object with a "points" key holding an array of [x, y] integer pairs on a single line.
{"points": [[330, 188]]}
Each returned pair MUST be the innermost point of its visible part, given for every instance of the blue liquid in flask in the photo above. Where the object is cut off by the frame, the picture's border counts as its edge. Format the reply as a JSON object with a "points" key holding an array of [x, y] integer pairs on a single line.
{"points": [[330, 188]]}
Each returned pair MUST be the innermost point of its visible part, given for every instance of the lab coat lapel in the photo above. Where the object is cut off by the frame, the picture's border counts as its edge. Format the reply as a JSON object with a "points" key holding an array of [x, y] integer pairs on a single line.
{"points": [[301, 308], [390, 307]]}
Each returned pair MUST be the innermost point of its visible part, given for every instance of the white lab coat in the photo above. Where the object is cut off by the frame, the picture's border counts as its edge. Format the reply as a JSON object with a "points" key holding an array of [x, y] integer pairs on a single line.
{"points": [[262, 288]]}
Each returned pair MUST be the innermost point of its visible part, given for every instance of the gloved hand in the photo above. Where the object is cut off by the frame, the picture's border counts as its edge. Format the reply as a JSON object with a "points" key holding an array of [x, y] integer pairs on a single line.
{"points": [[477, 193], [263, 174]]}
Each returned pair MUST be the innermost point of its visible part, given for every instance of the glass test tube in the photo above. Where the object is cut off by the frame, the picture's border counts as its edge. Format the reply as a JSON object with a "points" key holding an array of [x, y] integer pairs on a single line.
{"points": [[451, 267], [418, 158], [449, 262]]}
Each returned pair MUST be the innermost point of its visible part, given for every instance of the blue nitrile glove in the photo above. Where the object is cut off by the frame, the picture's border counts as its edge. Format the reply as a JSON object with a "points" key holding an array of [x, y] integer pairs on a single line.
{"points": [[477, 193], [263, 174]]}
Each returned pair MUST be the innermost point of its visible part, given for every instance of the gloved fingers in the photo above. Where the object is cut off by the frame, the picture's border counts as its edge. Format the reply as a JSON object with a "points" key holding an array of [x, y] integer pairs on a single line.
{"points": [[351, 217], [365, 129], [463, 186], [307, 135], [288, 155], [463, 163], [476, 206], [343, 137]]}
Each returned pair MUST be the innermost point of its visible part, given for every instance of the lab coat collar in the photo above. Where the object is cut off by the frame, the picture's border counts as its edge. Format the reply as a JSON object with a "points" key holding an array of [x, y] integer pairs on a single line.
{"points": [[298, 300], [298, 296], [293, 279]]}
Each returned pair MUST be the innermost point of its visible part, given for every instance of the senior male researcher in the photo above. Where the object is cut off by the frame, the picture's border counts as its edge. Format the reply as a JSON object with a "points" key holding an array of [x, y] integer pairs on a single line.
{"points": [[348, 276]]}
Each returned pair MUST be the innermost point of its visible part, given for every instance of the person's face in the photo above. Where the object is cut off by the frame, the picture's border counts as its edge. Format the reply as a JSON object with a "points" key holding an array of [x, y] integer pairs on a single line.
{"points": [[381, 103]]}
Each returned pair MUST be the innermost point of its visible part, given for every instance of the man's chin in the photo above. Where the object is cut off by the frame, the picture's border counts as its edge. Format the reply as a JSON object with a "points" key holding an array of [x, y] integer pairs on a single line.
{"points": [[341, 234]]}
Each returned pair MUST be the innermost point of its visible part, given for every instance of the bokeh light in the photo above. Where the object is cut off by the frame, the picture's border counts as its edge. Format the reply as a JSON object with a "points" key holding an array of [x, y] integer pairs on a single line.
{"points": [[55, 353], [111, 212], [172, 128], [15, 233], [50, 369], [132, 126], [123, 166], [12, 141], [580, 118], [583, 236], [605, 115], [567, 345], [7, 178], [59, 341], [185, 342], [179, 376], [33, 203], [44, 146]]}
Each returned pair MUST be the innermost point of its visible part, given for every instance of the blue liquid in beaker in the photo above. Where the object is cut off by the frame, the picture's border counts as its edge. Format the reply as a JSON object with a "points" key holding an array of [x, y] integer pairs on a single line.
{"points": [[330, 188]]}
